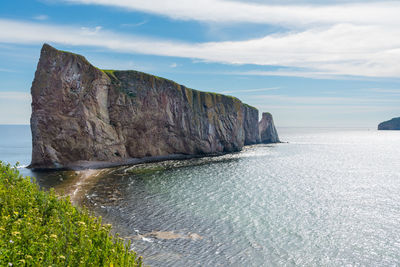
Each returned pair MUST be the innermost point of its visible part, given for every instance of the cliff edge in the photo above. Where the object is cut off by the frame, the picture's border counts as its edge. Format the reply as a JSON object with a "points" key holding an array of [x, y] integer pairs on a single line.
{"points": [[83, 116], [393, 124]]}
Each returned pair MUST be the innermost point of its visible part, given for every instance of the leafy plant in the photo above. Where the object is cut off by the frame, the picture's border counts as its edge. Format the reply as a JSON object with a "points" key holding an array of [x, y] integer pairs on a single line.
{"points": [[39, 228]]}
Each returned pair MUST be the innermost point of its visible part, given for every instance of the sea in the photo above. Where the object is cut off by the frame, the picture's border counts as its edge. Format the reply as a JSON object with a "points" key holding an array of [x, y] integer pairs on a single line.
{"points": [[325, 197]]}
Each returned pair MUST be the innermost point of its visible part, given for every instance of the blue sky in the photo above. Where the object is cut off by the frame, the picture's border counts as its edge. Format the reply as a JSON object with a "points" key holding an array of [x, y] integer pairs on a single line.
{"points": [[309, 63]]}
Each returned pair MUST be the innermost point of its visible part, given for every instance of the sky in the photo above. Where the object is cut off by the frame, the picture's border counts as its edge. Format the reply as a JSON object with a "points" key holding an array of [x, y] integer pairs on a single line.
{"points": [[310, 63]]}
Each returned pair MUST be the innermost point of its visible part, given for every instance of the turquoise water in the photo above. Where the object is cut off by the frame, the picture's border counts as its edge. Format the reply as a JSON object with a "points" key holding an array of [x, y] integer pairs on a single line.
{"points": [[330, 197]]}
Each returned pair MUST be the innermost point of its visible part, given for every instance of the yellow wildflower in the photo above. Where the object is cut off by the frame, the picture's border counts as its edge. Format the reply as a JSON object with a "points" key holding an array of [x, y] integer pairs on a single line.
{"points": [[53, 236]]}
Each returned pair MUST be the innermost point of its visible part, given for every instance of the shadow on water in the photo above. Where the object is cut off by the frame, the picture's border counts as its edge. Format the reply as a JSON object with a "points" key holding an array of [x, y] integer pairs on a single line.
{"points": [[77, 184]]}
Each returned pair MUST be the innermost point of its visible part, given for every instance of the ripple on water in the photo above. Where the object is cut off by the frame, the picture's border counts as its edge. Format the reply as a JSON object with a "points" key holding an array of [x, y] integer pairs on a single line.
{"points": [[327, 198]]}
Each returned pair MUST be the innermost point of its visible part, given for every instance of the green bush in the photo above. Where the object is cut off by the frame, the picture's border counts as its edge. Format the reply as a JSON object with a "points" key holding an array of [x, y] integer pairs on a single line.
{"points": [[39, 228]]}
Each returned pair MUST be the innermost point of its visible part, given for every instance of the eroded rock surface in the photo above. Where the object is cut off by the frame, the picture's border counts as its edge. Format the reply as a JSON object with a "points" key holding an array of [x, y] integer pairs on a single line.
{"points": [[267, 130], [83, 115]]}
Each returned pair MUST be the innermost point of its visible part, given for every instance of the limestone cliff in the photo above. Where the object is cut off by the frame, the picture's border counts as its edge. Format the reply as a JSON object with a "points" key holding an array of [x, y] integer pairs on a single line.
{"points": [[267, 130], [81, 114], [393, 124]]}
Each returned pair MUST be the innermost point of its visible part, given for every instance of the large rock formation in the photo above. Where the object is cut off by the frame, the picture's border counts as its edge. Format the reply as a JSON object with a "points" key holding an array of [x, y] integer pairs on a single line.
{"points": [[267, 130], [393, 124], [82, 115]]}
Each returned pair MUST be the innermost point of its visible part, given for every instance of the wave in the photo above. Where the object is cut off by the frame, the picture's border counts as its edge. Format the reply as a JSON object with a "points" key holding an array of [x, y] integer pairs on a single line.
{"points": [[22, 166]]}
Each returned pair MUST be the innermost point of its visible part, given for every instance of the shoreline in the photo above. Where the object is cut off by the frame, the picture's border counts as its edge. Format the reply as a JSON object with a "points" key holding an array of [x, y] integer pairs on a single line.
{"points": [[78, 179], [85, 174], [85, 165]]}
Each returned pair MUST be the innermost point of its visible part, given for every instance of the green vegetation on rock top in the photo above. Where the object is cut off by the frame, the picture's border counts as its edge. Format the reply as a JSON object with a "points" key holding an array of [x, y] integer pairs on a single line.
{"points": [[247, 105], [146, 76], [112, 74], [151, 78], [39, 228]]}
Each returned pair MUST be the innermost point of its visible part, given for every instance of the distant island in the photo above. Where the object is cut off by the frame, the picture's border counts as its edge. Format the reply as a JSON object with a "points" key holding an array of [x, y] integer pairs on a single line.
{"points": [[393, 124], [86, 117]]}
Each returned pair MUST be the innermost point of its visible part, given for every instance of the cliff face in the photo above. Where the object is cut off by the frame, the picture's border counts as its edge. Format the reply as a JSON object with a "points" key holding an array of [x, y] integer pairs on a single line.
{"points": [[267, 130], [251, 125], [393, 124], [83, 114]]}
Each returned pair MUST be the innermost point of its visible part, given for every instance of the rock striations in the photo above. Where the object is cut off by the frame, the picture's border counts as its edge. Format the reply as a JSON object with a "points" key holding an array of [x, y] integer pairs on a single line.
{"points": [[84, 117], [393, 124]]}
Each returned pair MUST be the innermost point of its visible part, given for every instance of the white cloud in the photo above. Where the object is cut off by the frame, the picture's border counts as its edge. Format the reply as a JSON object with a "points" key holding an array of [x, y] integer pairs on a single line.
{"points": [[291, 73], [15, 96], [376, 13], [15, 107], [343, 49], [91, 31], [381, 90], [251, 90], [325, 111], [134, 24], [359, 39], [330, 115], [6, 70], [41, 17], [320, 100]]}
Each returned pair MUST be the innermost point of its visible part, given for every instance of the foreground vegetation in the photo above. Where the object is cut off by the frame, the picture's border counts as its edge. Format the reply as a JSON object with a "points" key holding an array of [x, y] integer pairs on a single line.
{"points": [[42, 229]]}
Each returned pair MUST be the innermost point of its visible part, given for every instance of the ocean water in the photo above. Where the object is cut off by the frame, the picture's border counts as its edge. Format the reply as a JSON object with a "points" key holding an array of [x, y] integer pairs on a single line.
{"points": [[329, 197], [15, 144]]}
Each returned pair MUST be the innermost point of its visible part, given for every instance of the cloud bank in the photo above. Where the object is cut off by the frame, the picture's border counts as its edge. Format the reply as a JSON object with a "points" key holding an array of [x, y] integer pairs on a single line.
{"points": [[11, 95], [376, 13], [320, 42]]}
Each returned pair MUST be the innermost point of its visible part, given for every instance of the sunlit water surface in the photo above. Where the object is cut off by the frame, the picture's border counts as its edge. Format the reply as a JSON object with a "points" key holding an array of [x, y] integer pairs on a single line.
{"points": [[329, 197]]}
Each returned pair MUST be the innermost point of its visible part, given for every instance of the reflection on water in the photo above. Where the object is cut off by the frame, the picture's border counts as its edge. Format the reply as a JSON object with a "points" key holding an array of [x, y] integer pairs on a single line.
{"points": [[327, 198]]}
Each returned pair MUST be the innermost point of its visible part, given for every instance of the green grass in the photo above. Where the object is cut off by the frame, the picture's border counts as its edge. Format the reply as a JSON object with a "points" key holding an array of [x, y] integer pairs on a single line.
{"points": [[113, 77], [246, 105], [110, 73], [39, 228]]}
